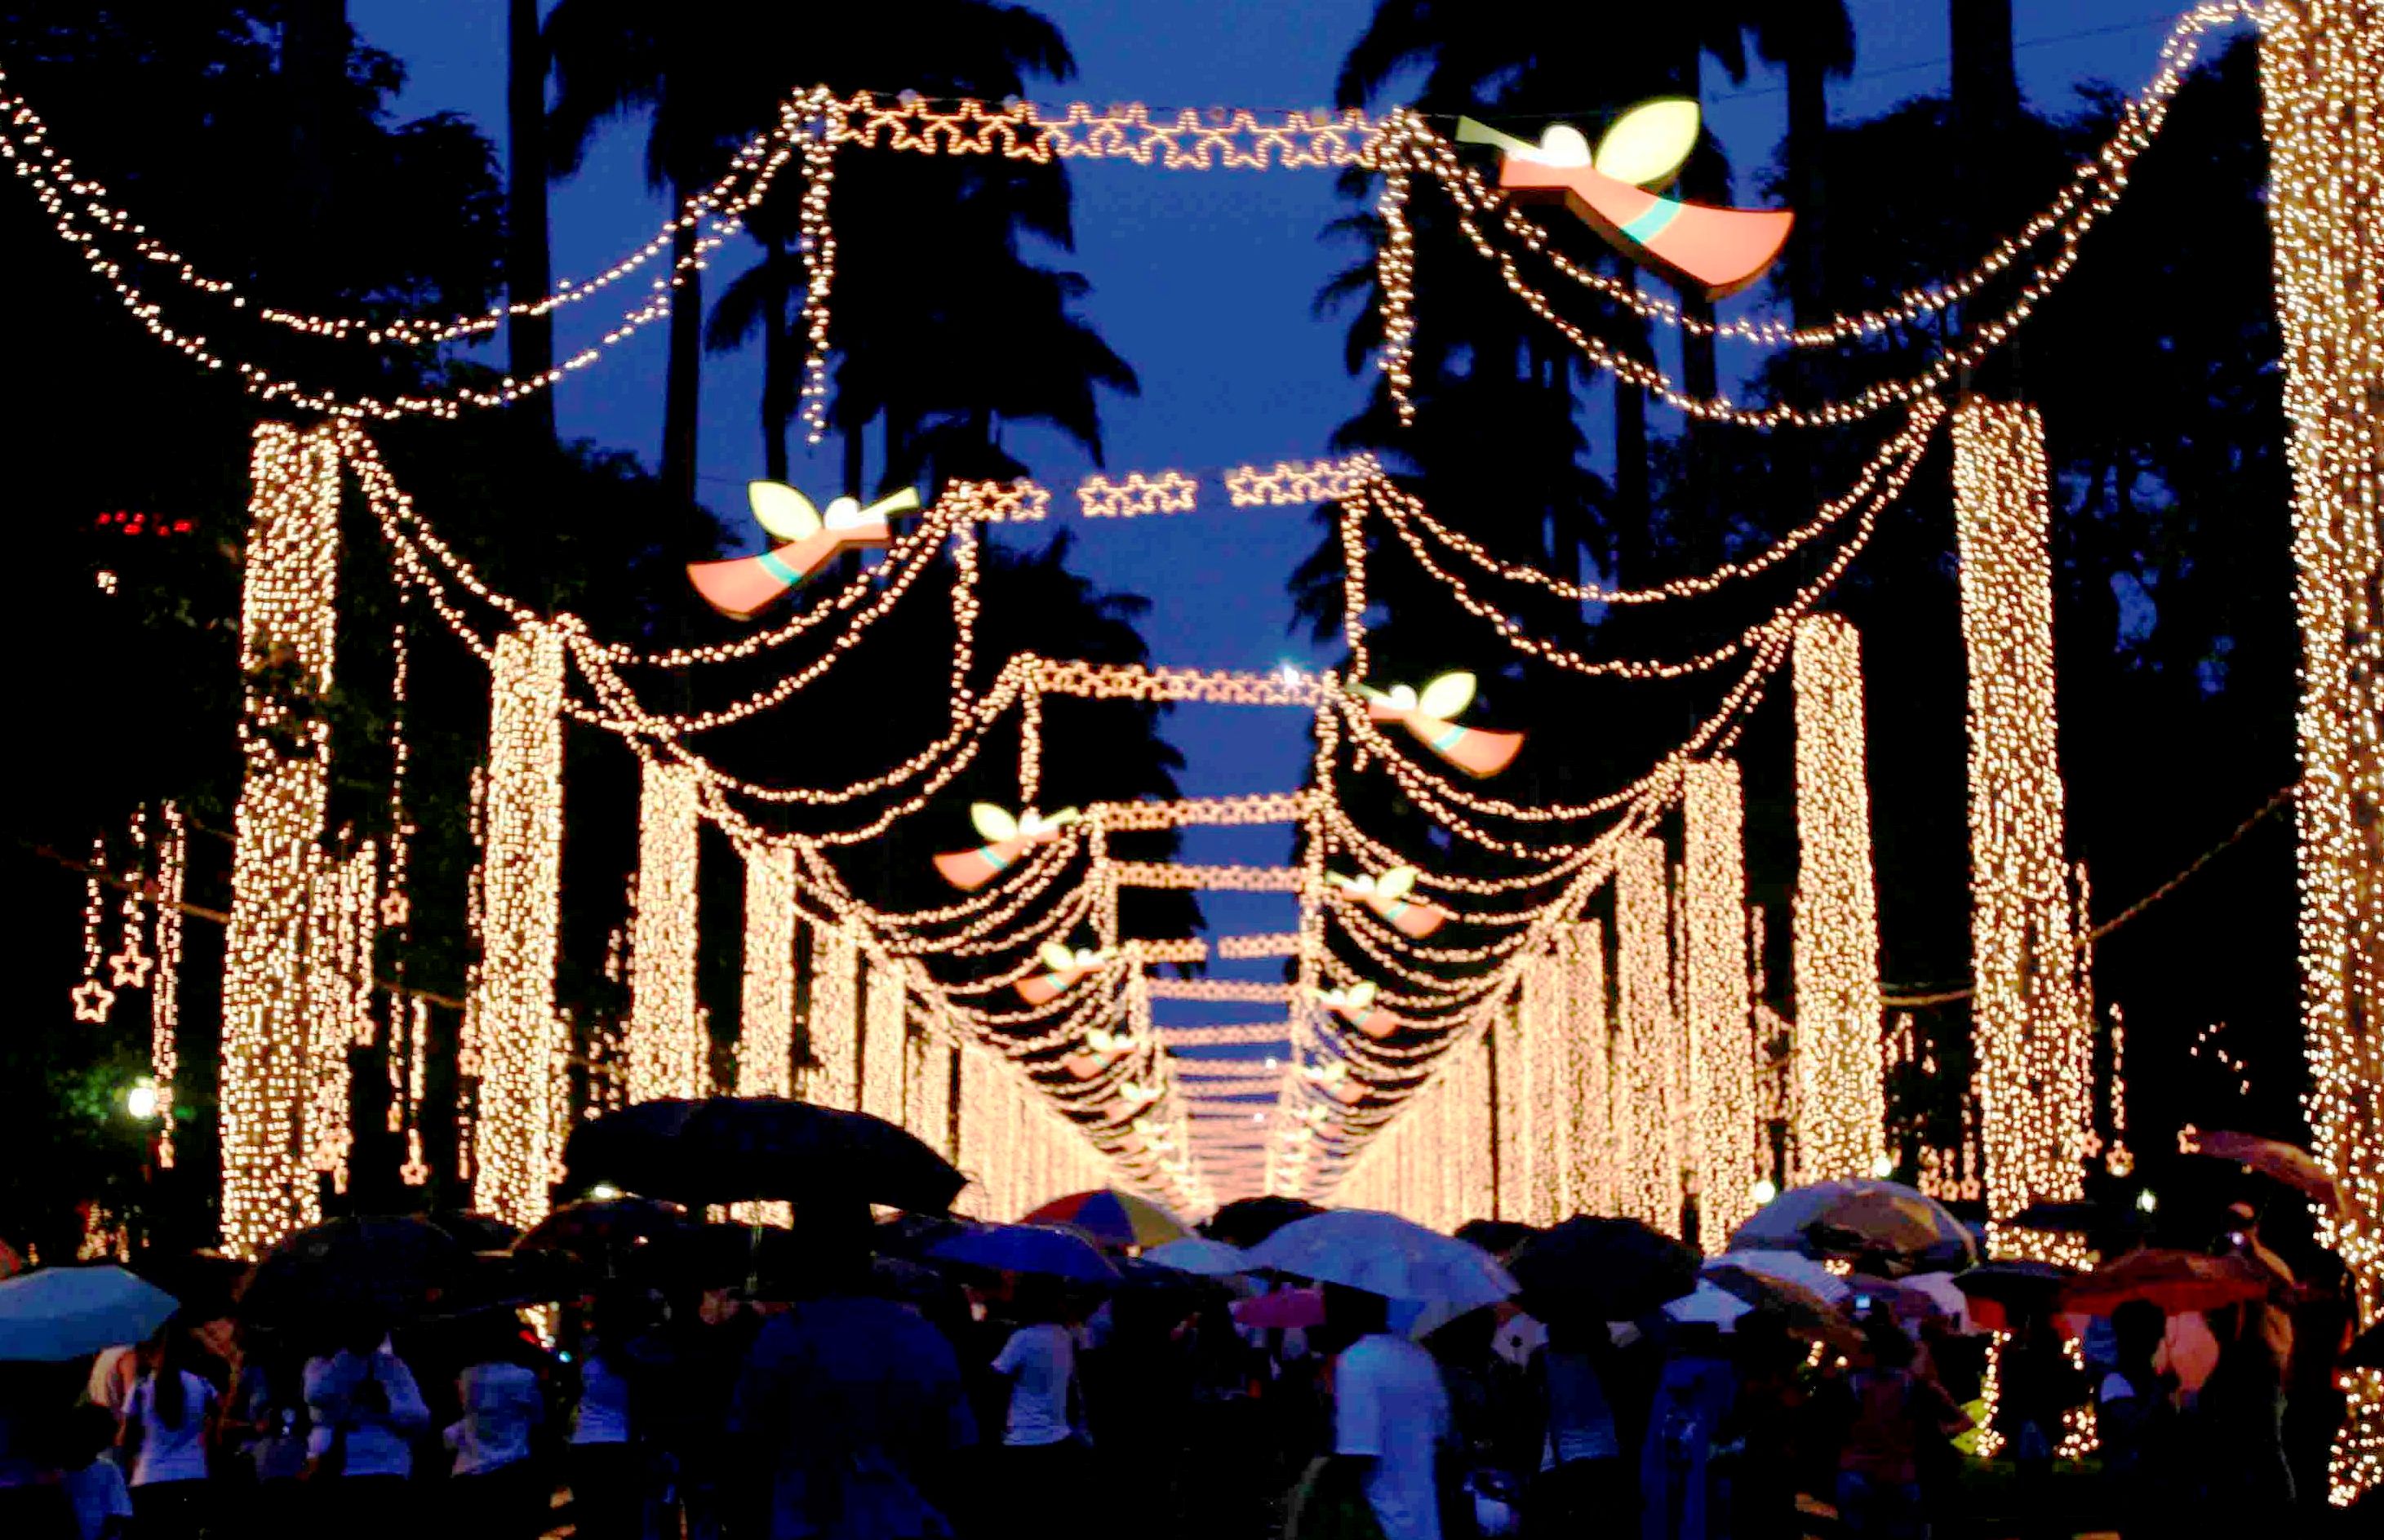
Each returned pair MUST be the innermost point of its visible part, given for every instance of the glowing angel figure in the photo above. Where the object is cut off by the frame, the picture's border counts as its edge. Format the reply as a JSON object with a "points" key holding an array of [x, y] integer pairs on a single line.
{"points": [[1067, 967], [1100, 1050], [1719, 250], [1356, 1005], [1426, 713], [1007, 839], [1387, 896], [744, 585], [1334, 1080], [1155, 1134], [1140, 1093]]}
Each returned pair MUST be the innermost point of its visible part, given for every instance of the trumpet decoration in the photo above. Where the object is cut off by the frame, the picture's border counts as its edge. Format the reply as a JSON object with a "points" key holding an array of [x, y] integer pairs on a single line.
{"points": [[1426, 713], [1007, 839], [1719, 250], [743, 586], [1387, 896], [1356, 1005], [1066, 966]]}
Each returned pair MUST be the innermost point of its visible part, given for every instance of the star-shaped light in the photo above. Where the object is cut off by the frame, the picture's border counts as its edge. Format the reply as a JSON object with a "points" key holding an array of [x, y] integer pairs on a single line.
{"points": [[393, 911], [129, 969], [92, 1001]]}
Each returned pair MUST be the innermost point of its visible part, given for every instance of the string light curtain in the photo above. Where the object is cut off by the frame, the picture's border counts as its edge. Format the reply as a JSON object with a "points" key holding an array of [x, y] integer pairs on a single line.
{"points": [[165, 990], [1518, 1116], [516, 1145], [2032, 1025], [1648, 1138], [1587, 1162], [288, 623], [342, 921], [832, 1078], [885, 1024], [1719, 1029], [2322, 75], [765, 1035], [1842, 1105], [668, 1054]]}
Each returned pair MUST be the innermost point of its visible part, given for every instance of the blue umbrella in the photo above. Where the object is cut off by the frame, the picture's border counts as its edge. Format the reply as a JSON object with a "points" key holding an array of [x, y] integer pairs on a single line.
{"points": [[1043, 1248], [55, 1313]]}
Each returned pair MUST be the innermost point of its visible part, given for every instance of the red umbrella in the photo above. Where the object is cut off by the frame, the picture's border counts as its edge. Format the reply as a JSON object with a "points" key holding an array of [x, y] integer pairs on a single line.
{"points": [[2274, 1159], [1285, 1307], [2180, 1282]]}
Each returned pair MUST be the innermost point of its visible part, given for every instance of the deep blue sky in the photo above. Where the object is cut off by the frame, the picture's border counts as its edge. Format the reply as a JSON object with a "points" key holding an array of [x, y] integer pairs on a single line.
{"points": [[1201, 281]]}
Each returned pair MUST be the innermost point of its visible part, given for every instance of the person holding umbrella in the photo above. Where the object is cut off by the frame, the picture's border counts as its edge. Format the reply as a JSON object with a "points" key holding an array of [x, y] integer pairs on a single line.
{"points": [[165, 1439], [1391, 1416], [365, 1411]]}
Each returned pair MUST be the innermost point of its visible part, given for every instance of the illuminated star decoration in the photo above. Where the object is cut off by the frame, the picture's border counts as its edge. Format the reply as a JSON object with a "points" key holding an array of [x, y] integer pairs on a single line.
{"points": [[92, 1001], [1720, 251], [1356, 1005], [1067, 967], [1388, 896], [1007, 839], [1427, 713], [129, 969], [742, 587]]}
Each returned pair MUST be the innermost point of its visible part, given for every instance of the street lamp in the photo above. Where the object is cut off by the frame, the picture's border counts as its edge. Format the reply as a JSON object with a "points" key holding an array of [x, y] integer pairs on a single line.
{"points": [[604, 1192], [142, 1101], [1764, 1191]]}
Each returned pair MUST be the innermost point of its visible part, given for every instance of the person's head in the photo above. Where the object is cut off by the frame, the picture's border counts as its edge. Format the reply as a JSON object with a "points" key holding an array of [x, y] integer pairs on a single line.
{"points": [[1353, 1312], [2138, 1327], [1764, 1346], [832, 1238], [161, 1359], [1885, 1344]]}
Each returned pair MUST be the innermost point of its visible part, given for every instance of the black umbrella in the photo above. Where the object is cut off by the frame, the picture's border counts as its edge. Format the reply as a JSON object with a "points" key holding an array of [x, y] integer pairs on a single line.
{"points": [[2367, 1349], [603, 1229], [1497, 1237], [1247, 1221], [1592, 1268], [476, 1232], [1998, 1290], [2077, 1217], [353, 1271], [735, 1149]]}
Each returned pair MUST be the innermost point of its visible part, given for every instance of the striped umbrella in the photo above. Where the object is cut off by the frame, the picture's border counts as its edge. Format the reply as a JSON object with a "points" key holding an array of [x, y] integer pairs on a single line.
{"points": [[1117, 1220]]}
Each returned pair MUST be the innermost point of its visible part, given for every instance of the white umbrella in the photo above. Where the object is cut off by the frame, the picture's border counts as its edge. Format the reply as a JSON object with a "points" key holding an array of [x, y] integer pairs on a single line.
{"points": [[55, 1313], [1788, 1267], [1209, 1259], [1386, 1255], [1716, 1307]]}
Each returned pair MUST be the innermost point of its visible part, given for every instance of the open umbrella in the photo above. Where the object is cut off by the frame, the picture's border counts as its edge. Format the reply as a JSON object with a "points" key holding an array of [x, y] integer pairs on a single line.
{"points": [[1247, 1221], [1208, 1258], [1039, 1249], [476, 1232], [1286, 1308], [1592, 1268], [2274, 1159], [1850, 1218], [1708, 1303], [2077, 1217], [1386, 1255], [350, 1270], [1497, 1237], [2179, 1281], [1999, 1290], [52, 1314], [738, 1149], [1117, 1220], [1805, 1312], [1789, 1268]]}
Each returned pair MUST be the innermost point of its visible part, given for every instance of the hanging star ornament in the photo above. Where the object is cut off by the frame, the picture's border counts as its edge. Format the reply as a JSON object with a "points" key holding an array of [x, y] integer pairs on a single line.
{"points": [[92, 1001], [1389, 895], [1426, 713], [744, 585], [129, 969], [1717, 251], [1007, 839]]}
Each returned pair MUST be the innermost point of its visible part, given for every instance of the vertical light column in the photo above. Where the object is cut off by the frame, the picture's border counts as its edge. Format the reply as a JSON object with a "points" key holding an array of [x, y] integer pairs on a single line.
{"points": [[766, 1033], [166, 990], [341, 920], [1721, 1036], [515, 1147], [1516, 1124], [668, 1054], [885, 1025], [835, 1023], [287, 628], [927, 1092], [1589, 1159], [2322, 75], [2031, 1019], [1647, 1136], [1841, 1107]]}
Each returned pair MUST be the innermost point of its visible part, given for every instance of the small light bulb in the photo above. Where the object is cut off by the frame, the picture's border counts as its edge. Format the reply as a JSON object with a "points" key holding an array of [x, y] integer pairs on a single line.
{"points": [[142, 1101], [2146, 1203], [106, 579], [1883, 1167], [1270, 1063]]}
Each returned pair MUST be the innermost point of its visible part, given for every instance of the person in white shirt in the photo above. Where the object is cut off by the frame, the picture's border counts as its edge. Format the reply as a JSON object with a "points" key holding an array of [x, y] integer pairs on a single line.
{"points": [[603, 1462], [365, 1412], [164, 1438], [1390, 1414], [1041, 1451], [498, 1488]]}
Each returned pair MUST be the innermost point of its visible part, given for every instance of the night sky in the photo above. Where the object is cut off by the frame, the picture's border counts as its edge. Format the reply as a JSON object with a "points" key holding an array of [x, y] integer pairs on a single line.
{"points": [[1203, 280]]}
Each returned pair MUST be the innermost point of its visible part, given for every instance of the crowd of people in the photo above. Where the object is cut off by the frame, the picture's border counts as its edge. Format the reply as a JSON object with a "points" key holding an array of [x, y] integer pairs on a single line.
{"points": [[852, 1396]]}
